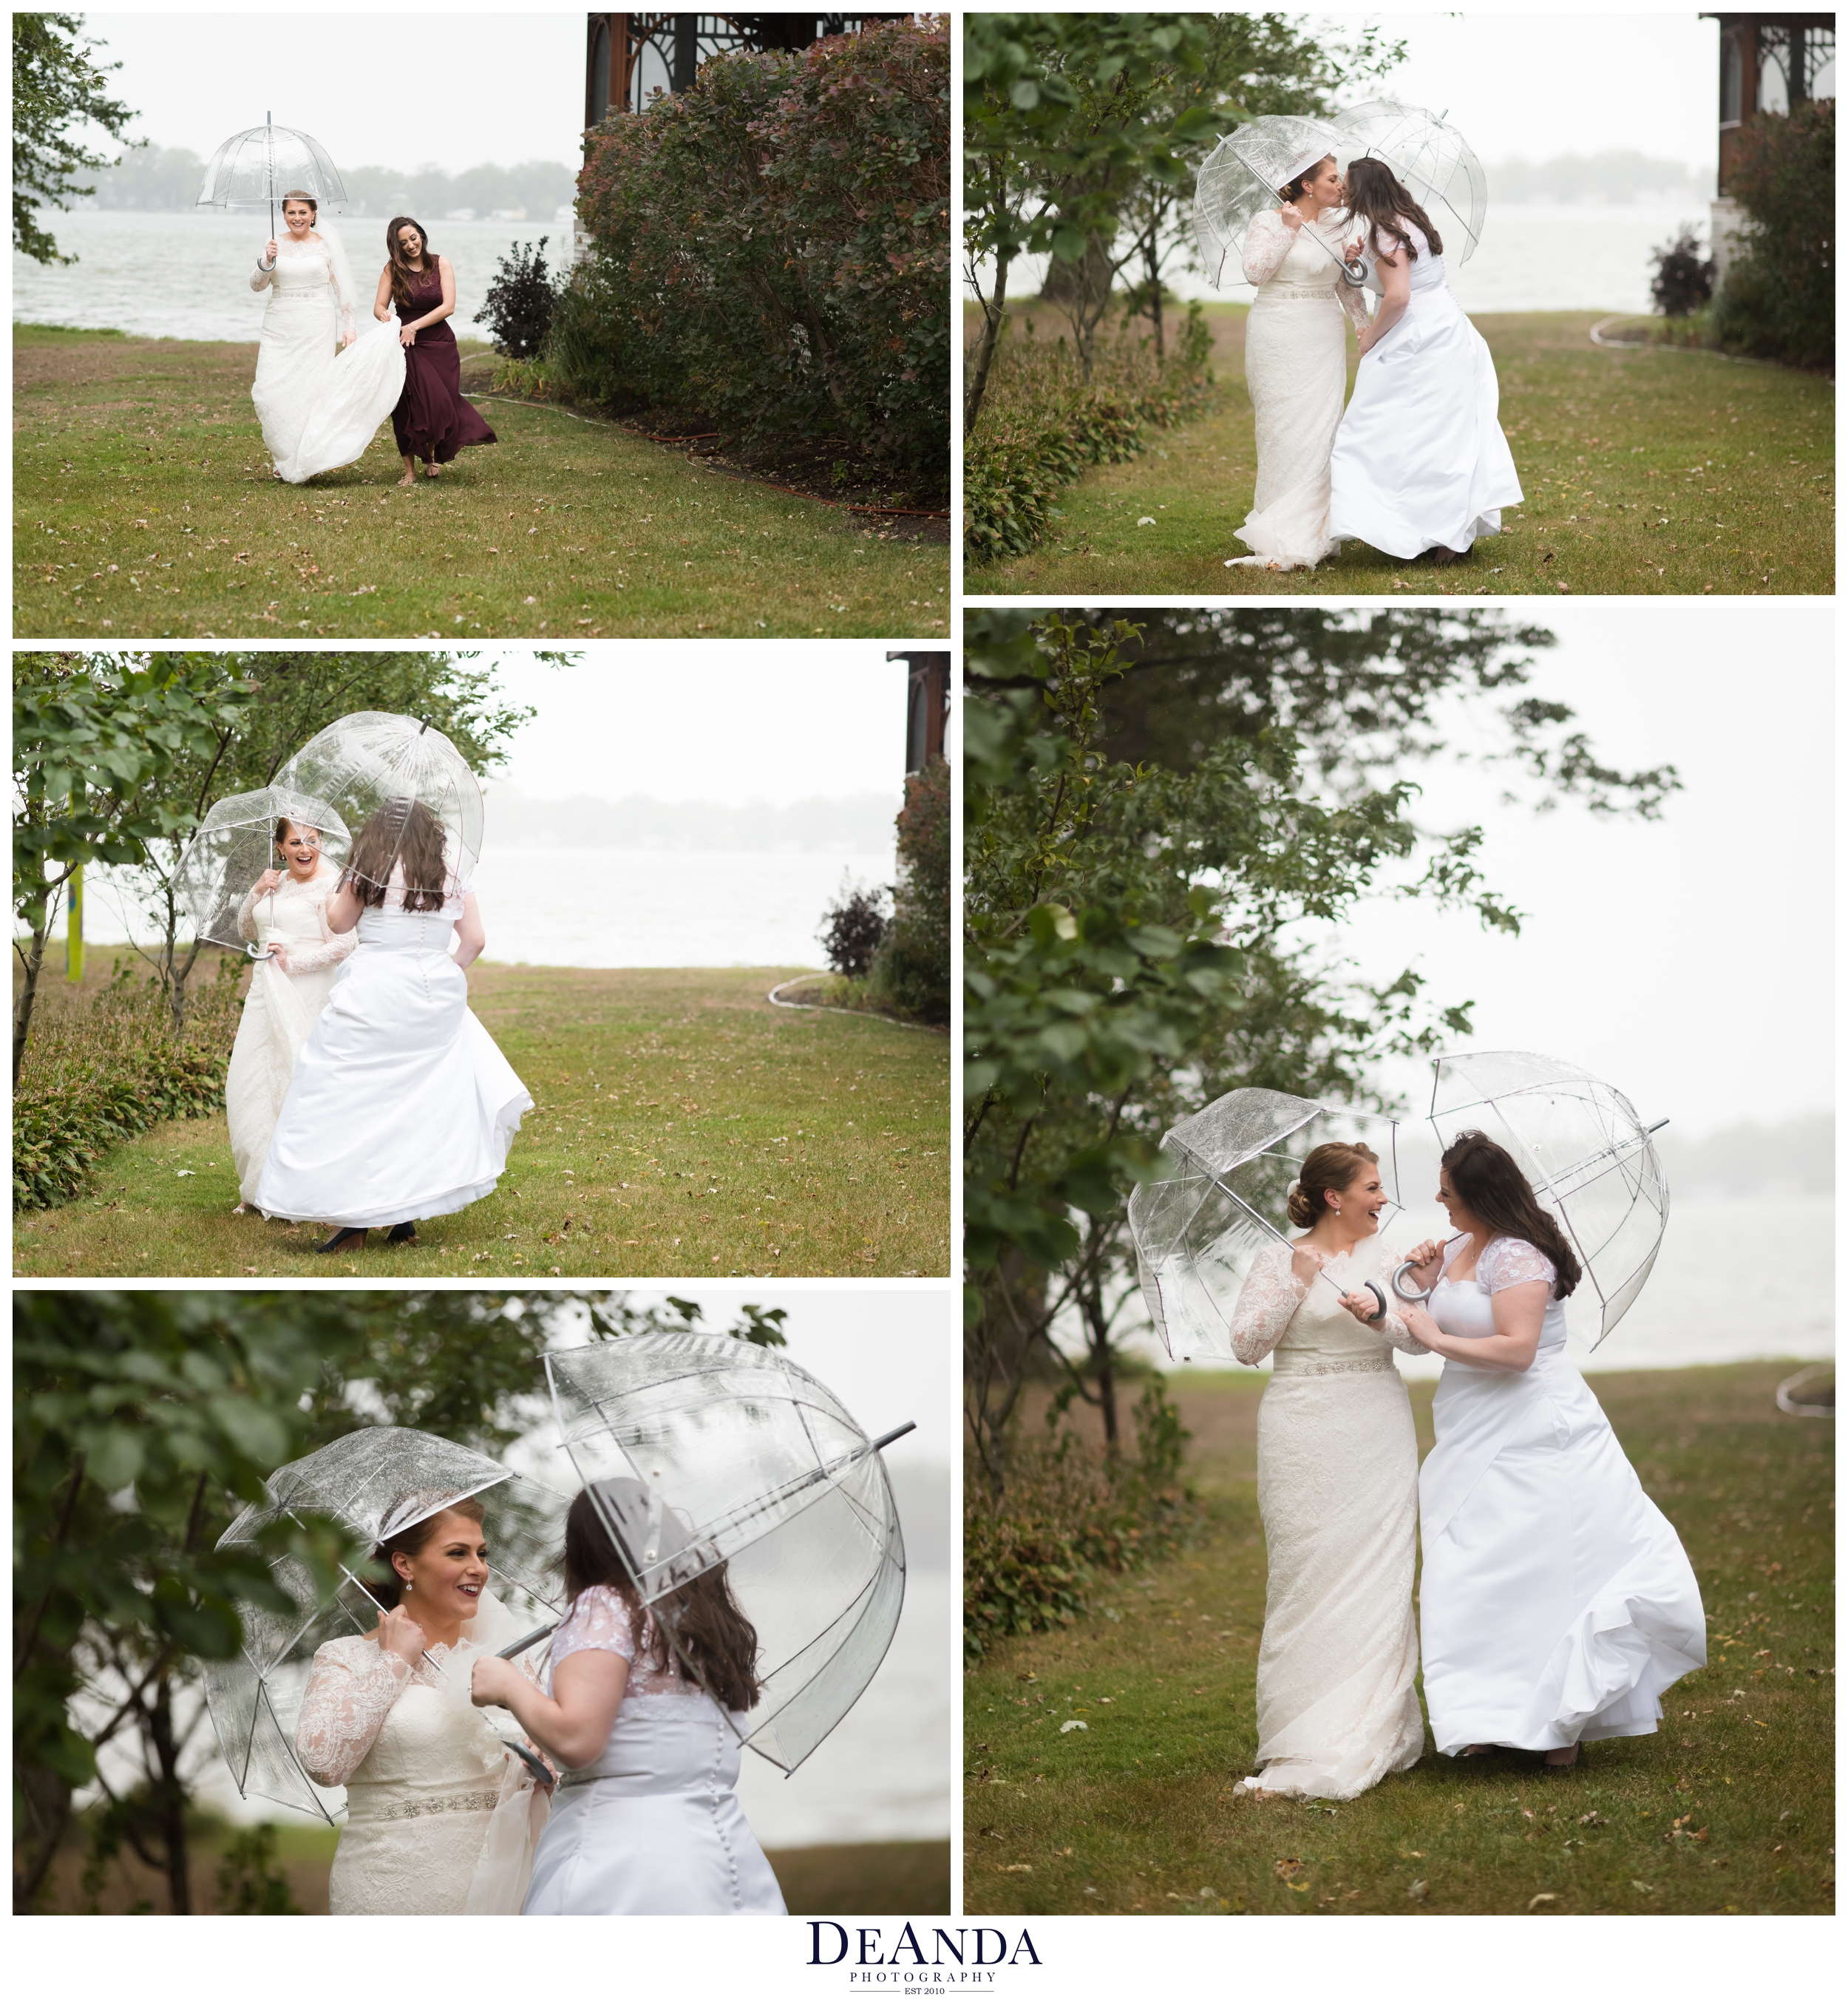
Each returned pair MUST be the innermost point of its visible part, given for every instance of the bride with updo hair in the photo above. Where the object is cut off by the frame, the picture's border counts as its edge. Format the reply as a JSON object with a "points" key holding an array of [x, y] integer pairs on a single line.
{"points": [[1336, 1707]]}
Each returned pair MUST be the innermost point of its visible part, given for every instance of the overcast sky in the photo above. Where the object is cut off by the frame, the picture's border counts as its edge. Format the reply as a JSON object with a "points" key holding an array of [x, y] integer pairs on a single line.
{"points": [[1687, 961], [772, 720], [1522, 85], [449, 87]]}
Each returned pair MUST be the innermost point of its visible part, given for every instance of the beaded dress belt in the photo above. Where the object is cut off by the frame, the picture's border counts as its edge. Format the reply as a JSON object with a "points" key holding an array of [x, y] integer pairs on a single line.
{"points": [[1275, 291], [297, 291], [1359, 1366], [480, 1803]]}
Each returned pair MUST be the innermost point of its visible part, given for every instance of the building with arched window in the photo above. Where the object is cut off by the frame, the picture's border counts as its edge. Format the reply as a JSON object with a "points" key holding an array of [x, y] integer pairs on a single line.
{"points": [[1768, 62], [628, 57]]}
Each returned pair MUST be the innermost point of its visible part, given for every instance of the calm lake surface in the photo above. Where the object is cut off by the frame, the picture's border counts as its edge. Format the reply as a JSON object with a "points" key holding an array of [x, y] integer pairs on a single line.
{"points": [[187, 277]]}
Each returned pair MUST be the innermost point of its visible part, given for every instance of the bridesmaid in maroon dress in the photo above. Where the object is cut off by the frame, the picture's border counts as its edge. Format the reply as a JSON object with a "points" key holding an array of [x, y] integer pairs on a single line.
{"points": [[432, 421]]}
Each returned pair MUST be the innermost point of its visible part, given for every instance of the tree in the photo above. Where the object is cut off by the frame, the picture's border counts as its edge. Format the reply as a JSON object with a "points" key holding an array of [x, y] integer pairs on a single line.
{"points": [[97, 744], [1061, 118], [1778, 297], [142, 1423], [1127, 954], [56, 87], [911, 969]]}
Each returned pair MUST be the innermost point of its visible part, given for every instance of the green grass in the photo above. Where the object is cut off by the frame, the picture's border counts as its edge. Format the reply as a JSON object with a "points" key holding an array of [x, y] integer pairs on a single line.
{"points": [[1661, 471], [1135, 1813], [682, 1127], [144, 508]]}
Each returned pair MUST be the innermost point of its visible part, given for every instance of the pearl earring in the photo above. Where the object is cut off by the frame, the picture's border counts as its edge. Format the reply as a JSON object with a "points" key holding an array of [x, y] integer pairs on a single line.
{"points": [[409, 1588]]}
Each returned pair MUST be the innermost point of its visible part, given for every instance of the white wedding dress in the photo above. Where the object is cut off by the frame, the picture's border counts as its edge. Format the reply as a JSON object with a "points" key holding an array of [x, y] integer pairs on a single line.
{"points": [[1337, 1479], [319, 404], [401, 1106], [1420, 462], [441, 1816], [1296, 371], [1558, 1603], [279, 1010], [653, 1825]]}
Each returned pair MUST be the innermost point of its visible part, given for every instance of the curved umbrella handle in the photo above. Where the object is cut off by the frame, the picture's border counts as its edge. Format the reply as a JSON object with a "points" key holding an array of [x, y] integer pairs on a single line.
{"points": [[1411, 1294]]}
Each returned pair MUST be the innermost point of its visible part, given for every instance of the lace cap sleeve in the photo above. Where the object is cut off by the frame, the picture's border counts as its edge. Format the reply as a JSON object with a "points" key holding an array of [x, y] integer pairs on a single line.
{"points": [[599, 1618], [1513, 1261]]}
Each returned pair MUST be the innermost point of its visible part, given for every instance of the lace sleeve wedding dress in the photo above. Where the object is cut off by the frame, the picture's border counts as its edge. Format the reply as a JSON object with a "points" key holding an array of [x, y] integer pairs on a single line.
{"points": [[1420, 462], [319, 404], [279, 1010], [1337, 1479], [1557, 1602], [442, 1817], [401, 1106], [1296, 372], [652, 1826]]}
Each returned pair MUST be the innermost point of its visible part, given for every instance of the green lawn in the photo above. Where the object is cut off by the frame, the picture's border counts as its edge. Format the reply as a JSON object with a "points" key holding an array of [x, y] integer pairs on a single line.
{"points": [[1728, 1808], [144, 508], [1656, 471], [682, 1127]]}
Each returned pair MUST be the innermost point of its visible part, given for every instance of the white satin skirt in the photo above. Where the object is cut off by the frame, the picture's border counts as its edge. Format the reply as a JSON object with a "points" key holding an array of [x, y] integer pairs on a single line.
{"points": [[1557, 1602], [654, 1827], [279, 1014], [401, 1106], [321, 405], [1337, 1478], [1420, 462]]}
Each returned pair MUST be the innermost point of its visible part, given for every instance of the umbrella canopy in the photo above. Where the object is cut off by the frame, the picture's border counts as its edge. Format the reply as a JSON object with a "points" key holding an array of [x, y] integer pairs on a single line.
{"points": [[1432, 158], [371, 767], [1242, 178], [703, 1451], [235, 843], [257, 167], [1589, 1159], [1227, 1173], [375, 1483]]}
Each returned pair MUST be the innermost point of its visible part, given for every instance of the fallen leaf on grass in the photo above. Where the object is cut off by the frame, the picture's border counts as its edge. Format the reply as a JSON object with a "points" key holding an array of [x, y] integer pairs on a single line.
{"points": [[1417, 1890], [1542, 1898]]}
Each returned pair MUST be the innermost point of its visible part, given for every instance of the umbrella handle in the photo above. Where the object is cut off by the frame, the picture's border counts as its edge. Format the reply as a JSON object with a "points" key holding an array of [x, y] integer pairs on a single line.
{"points": [[898, 1432], [524, 1641], [1413, 1294]]}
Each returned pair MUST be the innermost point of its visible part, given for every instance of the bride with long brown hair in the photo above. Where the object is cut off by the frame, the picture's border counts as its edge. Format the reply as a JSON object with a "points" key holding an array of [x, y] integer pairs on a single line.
{"points": [[433, 421], [401, 1106]]}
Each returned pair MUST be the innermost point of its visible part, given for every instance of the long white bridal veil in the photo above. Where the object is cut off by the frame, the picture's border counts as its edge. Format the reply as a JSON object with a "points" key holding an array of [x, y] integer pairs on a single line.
{"points": [[343, 276]]}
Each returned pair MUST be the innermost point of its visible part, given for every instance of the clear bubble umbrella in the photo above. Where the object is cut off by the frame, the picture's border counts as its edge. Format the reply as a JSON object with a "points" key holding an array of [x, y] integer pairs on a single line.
{"points": [[235, 844], [1589, 1159], [1227, 1172], [1431, 158], [371, 767], [375, 1483], [1243, 177], [703, 1451], [262, 164]]}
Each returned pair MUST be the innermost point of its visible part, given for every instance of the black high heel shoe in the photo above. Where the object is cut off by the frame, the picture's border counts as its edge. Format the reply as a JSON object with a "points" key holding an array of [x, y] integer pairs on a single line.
{"points": [[341, 1240], [402, 1233]]}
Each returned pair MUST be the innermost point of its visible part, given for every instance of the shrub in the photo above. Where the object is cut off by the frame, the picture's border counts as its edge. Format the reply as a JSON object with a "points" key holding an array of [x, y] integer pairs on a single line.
{"points": [[102, 1069], [852, 927], [1684, 280], [910, 972], [771, 252], [1041, 426], [1778, 298], [520, 302], [1069, 1513]]}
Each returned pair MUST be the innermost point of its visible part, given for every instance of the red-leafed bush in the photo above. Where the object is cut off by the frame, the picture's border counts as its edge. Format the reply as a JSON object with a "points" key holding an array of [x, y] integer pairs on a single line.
{"points": [[772, 252]]}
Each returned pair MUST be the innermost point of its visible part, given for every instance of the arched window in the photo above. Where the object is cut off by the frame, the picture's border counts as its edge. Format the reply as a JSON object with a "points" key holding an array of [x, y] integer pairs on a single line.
{"points": [[1732, 75], [600, 74]]}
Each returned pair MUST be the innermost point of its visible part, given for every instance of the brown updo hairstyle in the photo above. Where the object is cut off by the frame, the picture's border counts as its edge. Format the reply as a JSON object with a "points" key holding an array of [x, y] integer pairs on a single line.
{"points": [[1483, 1176], [302, 194], [283, 826], [1302, 179], [710, 1632], [1329, 1168], [415, 1536]]}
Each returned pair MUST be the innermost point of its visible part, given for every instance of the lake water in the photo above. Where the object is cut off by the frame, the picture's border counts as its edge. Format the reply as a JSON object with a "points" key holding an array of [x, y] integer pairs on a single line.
{"points": [[608, 907], [1537, 258], [186, 277]]}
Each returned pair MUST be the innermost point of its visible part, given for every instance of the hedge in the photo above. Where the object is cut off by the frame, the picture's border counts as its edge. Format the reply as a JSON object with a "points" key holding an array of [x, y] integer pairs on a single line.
{"points": [[772, 252], [62, 1130], [1778, 298]]}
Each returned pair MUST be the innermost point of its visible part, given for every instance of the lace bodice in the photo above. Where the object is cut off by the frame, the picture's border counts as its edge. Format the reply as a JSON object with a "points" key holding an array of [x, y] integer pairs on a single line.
{"points": [[295, 918], [436, 1737], [600, 1618], [302, 269], [1464, 1307], [1286, 263], [1324, 1338], [1427, 271]]}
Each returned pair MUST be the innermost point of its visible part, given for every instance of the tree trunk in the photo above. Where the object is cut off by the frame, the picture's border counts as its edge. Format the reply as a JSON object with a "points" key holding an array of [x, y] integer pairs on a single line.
{"points": [[1152, 264], [168, 1805], [994, 312], [34, 962], [1103, 1362]]}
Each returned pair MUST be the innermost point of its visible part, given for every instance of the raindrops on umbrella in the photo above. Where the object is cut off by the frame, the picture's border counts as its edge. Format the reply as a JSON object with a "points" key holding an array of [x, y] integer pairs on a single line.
{"points": [[1243, 177], [257, 167], [235, 844], [710, 1458], [1433, 159], [375, 1482]]}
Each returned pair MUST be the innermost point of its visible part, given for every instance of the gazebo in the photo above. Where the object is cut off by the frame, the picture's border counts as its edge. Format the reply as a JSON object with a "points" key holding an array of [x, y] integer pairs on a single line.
{"points": [[1768, 62]]}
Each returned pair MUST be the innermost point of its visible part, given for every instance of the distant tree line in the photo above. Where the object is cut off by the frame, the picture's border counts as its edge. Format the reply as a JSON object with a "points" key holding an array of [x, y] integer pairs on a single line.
{"points": [[1617, 178], [168, 177]]}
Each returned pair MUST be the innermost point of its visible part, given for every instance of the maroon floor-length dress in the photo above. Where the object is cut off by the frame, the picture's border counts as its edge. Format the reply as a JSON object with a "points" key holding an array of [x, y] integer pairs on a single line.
{"points": [[433, 419]]}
